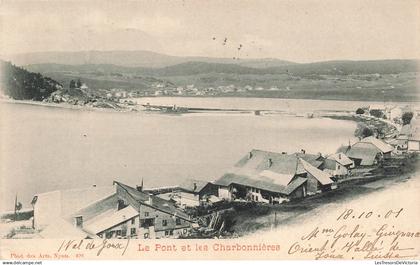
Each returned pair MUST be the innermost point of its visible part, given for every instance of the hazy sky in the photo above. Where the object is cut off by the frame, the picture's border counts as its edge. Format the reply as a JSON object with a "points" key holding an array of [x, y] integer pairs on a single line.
{"points": [[294, 30]]}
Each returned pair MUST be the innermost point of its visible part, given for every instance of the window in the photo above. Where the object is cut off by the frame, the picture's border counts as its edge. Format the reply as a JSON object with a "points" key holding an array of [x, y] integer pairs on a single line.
{"points": [[146, 214], [178, 221], [118, 232], [185, 230], [169, 232], [147, 222], [338, 166], [133, 231], [256, 198], [133, 221], [146, 235], [79, 221], [164, 222]]}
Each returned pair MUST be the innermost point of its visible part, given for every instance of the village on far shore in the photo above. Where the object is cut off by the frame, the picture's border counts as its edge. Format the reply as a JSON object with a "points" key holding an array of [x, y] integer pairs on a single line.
{"points": [[195, 208]]}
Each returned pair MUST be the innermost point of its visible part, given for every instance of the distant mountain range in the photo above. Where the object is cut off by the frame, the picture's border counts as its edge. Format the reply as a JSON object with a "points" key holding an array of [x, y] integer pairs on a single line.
{"points": [[196, 68], [145, 59]]}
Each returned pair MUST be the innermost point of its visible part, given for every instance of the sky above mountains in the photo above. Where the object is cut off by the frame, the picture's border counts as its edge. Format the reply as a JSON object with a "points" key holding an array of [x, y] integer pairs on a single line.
{"points": [[300, 31]]}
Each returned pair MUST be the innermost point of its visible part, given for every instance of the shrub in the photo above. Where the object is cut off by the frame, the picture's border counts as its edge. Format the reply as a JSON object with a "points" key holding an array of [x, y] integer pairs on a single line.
{"points": [[406, 117], [360, 111], [376, 113]]}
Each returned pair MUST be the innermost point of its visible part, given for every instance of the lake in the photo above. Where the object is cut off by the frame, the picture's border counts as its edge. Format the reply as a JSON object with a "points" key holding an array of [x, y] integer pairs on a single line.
{"points": [[47, 148]]}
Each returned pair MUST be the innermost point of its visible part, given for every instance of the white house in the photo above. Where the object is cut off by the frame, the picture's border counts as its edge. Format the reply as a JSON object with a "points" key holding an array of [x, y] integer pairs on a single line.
{"points": [[342, 166]]}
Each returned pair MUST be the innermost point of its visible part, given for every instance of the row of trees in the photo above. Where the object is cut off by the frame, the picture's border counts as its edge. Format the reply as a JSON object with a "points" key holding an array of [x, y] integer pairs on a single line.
{"points": [[20, 84], [406, 116]]}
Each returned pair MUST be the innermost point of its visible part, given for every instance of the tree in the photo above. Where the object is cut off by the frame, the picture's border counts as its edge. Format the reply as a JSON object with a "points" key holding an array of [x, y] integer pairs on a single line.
{"points": [[19, 84], [366, 132], [360, 111], [78, 83], [376, 113], [363, 131], [72, 84], [406, 117]]}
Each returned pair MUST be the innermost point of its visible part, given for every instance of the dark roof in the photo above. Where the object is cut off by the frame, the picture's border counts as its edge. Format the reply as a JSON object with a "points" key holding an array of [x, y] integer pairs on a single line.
{"points": [[329, 164], [315, 160], [323, 177], [296, 183], [364, 152], [257, 161], [142, 198], [193, 185]]}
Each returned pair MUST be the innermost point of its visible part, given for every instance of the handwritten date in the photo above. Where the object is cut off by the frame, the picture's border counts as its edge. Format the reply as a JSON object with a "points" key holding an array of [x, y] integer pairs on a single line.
{"points": [[352, 214]]}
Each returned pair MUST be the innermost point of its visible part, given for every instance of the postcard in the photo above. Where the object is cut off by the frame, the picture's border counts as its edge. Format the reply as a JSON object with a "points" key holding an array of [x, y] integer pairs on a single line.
{"points": [[210, 130]]}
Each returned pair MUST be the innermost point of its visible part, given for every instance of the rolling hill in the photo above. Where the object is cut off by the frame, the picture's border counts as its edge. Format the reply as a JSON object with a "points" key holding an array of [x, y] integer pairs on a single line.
{"points": [[193, 68], [132, 59]]}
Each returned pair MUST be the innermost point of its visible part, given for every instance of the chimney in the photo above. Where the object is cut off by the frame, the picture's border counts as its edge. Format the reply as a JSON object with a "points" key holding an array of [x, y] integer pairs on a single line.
{"points": [[249, 155], [195, 186], [339, 156], [270, 162], [303, 151], [150, 200]]}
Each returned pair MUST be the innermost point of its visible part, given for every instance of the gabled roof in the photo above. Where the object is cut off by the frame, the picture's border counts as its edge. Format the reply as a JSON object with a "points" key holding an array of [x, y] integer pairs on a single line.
{"points": [[72, 200], [341, 158], [281, 179], [60, 228], [136, 198], [257, 161], [263, 184], [315, 160], [381, 145], [323, 177], [193, 185], [109, 219], [296, 183], [365, 152]]}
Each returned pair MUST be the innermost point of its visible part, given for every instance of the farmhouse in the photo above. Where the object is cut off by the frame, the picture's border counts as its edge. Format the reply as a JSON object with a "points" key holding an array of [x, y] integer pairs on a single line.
{"points": [[270, 177], [340, 166], [192, 192], [369, 151], [121, 212]]}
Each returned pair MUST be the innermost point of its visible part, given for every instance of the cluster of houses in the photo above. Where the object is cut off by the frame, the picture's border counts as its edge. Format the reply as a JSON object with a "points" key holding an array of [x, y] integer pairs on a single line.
{"points": [[192, 90], [408, 139], [391, 112], [121, 211]]}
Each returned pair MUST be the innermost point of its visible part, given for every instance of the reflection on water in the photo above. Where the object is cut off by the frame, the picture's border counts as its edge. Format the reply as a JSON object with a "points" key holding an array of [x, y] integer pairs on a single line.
{"points": [[45, 148]]}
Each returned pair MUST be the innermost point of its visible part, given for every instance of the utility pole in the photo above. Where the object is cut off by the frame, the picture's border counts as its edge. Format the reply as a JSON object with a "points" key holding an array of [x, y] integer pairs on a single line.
{"points": [[275, 219], [15, 208]]}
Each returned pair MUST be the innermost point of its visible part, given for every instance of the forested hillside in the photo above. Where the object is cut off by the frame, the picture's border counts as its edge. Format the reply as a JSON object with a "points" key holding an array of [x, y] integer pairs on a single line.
{"points": [[19, 83]]}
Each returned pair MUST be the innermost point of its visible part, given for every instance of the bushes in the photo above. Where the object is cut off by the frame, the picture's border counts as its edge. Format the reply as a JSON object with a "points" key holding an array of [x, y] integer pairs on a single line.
{"points": [[360, 111], [406, 117], [376, 113], [363, 131]]}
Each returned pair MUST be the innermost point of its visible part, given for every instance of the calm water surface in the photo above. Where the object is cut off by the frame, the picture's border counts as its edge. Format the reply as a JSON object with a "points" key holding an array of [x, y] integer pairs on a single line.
{"points": [[46, 148]]}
